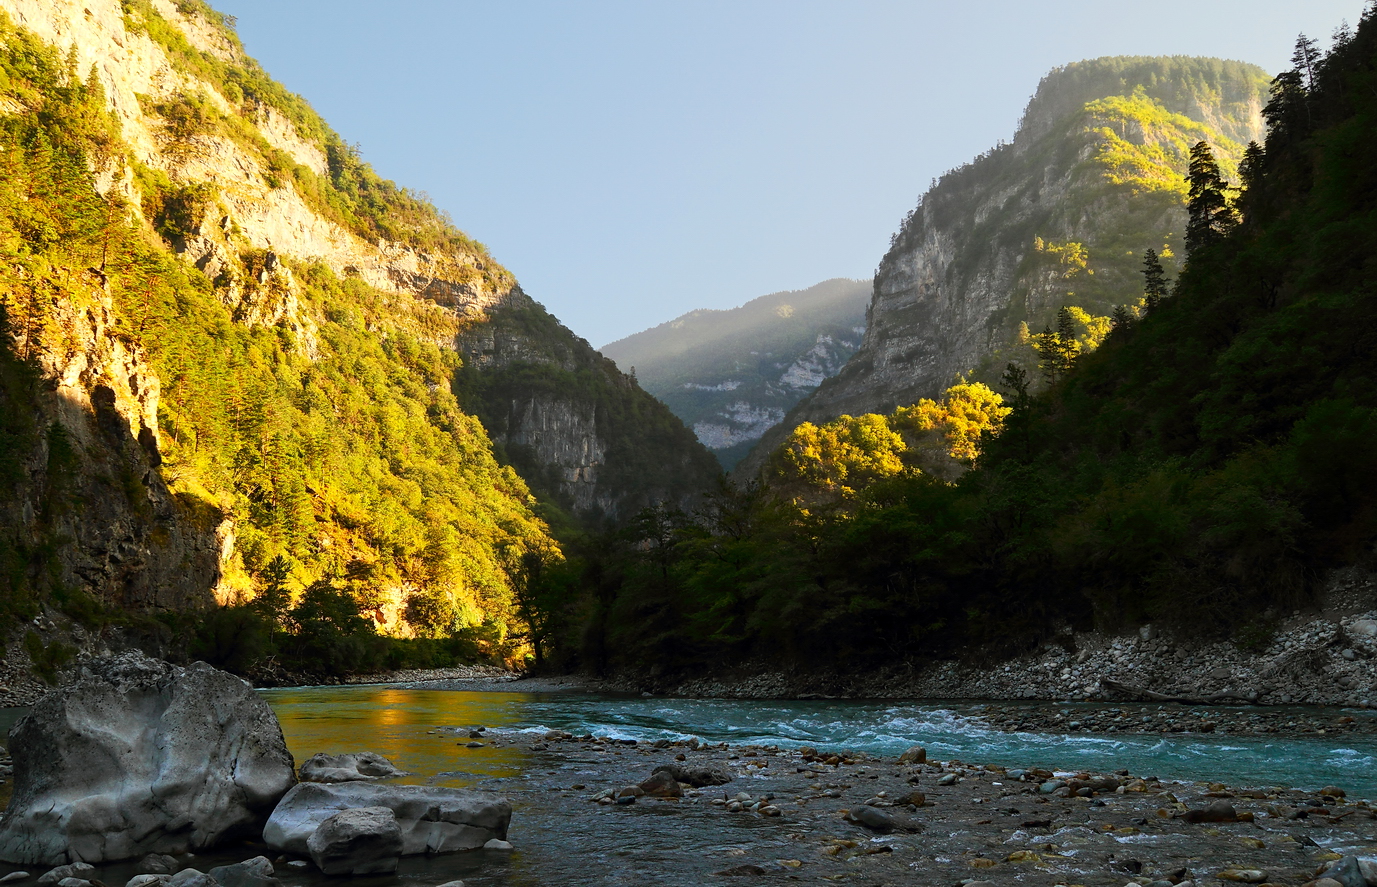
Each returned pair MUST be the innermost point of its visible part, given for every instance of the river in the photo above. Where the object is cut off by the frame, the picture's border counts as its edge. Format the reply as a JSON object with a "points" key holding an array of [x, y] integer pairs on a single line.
{"points": [[561, 838], [394, 722]]}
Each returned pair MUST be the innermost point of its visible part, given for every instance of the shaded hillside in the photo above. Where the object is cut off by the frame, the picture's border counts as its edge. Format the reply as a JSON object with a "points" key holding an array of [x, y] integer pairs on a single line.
{"points": [[731, 375], [1061, 216]]}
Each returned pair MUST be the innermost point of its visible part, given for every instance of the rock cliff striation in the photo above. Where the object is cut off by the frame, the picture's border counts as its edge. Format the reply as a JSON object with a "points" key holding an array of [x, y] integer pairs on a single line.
{"points": [[1059, 216]]}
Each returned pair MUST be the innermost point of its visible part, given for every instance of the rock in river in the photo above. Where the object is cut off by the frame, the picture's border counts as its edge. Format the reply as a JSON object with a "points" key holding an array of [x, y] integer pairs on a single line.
{"points": [[361, 841], [348, 768], [432, 819], [140, 756], [697, 776]]}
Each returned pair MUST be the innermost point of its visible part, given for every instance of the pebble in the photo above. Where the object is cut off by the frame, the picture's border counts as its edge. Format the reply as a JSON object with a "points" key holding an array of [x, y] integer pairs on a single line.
{"points": [[14, 876]]}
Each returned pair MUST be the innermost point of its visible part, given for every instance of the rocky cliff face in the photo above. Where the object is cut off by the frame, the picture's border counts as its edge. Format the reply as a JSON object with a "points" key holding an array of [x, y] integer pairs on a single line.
{"points": [[1058, 217], [732, 375], [576, 427]]}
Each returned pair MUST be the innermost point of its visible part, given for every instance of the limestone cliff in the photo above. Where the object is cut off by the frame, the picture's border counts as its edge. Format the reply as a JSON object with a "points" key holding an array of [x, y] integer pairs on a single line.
{"points": [[732, 375], [1058, 217]]}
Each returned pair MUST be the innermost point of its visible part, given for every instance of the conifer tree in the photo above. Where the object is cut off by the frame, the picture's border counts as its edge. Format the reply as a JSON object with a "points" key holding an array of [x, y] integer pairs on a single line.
{"points": [[1057, 350], [1154, 280], [1211, 216]]}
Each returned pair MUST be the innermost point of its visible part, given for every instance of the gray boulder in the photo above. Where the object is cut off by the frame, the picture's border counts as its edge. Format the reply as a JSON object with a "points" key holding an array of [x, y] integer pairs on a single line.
{"points": [[348, 768], [81, 870], [192, 878], [697, 775], [362, 841], [432, 819], [139, 756], [147, 880], [158, 864], [256, 872], [1346, 871]]}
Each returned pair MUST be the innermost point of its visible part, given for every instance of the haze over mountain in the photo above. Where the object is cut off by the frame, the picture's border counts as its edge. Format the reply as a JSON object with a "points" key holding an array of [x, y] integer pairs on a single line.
{"points": [[731, 375]]}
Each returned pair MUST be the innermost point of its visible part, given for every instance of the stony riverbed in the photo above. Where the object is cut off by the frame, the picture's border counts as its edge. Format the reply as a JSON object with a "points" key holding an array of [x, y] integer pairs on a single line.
{"points": [[833, 815]]}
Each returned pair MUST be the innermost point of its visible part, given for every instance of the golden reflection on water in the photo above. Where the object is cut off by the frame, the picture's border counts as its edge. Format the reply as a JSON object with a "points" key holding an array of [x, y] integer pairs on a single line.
{"points": [[402, 726]]}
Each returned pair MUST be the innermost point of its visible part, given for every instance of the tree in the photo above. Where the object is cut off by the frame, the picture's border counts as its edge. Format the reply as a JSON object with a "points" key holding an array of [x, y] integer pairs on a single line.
{"points": [[274, 601], [1305, 59], [1154, 281], [1211, 215], [1057, 351], [1015, 380]]}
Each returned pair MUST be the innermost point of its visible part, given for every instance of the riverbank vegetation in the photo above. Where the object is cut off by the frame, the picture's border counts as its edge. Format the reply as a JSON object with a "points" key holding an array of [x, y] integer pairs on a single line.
{"points": [[1201, 468]]}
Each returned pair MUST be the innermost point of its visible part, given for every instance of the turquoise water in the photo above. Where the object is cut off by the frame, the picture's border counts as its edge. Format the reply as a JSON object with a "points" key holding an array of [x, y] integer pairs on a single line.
{"points": [[395, 722]]}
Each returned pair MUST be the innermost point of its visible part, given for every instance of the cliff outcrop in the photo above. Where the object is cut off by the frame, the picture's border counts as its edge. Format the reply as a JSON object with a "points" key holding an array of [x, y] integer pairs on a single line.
{"points": [[1059, 216]]}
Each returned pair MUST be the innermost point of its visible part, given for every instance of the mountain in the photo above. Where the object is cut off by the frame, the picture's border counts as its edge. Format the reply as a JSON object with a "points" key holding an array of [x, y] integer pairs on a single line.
{"points": [[1210, 469], [1060, 216], [233, 357], [733, 374]]}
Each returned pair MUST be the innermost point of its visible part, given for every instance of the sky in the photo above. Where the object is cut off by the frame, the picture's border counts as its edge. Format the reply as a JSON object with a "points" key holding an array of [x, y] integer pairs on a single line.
{"points": [[632, 161]]}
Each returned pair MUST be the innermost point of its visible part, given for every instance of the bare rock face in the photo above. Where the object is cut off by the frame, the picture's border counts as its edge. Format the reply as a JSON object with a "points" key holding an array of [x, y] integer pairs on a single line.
{"points": [[140, 756], [431, 819]]}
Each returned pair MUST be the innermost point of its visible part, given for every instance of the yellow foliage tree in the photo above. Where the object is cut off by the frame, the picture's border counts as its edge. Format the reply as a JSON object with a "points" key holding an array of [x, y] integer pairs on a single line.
{"points": [[837, 460]]}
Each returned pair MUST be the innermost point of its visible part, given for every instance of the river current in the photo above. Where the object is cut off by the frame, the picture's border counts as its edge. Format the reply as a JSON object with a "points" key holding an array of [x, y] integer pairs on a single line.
{"points": [[394, 722]]}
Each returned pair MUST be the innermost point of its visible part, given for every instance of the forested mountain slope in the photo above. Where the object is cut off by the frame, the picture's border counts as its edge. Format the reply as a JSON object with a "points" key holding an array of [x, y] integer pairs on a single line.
{"points": [[1204, 468], [733, 374], [1059, 217], [230, 353]]}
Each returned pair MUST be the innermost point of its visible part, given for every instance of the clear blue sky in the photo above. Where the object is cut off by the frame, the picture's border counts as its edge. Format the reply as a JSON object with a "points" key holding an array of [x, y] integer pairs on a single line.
{"points": [[630, 161]]}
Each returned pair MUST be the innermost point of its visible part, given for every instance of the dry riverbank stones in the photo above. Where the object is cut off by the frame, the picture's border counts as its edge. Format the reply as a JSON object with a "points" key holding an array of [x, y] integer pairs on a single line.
{"points": [[139, 756]]}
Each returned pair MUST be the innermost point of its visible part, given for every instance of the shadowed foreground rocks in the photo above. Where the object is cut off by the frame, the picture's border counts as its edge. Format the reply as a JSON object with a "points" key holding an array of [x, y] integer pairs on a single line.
{"points": [[139, 756]]}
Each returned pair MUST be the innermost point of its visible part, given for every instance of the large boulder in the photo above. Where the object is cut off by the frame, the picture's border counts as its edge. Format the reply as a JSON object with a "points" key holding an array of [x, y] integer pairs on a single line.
{"points": [[432, 819], [362, 841], [140, 756], [348, 767]]}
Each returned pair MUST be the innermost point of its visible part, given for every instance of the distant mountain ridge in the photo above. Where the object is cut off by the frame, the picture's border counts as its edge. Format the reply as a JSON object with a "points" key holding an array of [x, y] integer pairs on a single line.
{"points": [[733, 374], [1058, 217]]}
